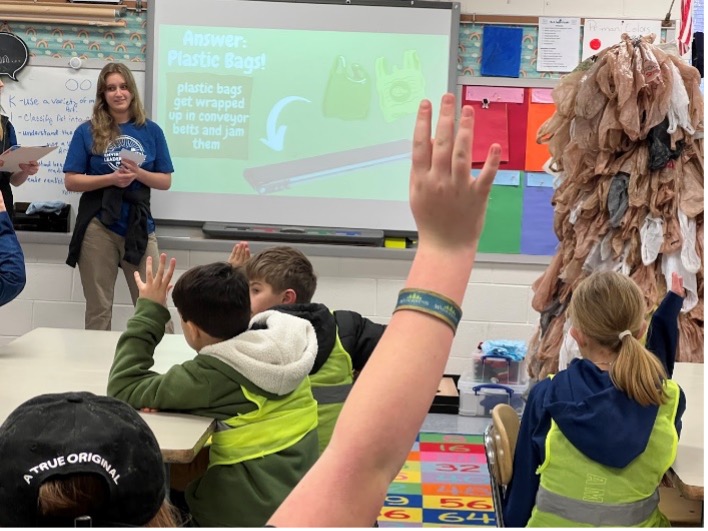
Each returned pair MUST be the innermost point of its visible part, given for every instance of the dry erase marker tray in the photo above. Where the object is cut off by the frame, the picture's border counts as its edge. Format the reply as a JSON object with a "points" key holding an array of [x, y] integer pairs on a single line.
{"points": [[326, 235]]}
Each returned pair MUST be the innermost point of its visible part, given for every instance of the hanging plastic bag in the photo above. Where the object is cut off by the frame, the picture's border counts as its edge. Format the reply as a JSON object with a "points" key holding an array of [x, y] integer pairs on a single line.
{"points": [[348, 92]]}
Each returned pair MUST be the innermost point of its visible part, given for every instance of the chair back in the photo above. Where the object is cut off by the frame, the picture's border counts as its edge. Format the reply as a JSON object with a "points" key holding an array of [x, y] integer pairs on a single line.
{"points": [[506, 431], [490, 450], [499, 445]]}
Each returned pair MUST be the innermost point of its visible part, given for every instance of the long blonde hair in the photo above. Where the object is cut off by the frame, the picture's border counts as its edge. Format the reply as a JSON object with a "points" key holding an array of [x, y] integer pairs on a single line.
{"points": [[81, 494], [103, 127], [604, 305]]}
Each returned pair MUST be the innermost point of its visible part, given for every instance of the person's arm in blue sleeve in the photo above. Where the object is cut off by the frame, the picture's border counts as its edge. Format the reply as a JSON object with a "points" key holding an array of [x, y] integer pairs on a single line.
{"points": [[529, 454], [662, 337], [12, 260]]}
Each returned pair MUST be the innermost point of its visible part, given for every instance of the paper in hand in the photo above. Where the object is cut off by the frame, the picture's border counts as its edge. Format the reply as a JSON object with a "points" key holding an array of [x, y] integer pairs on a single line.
{"points": [[16, 155], [136, 157]]}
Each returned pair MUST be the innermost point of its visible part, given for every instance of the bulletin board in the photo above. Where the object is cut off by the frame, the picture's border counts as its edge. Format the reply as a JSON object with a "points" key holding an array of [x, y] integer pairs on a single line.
{"points": [[520, 214], [497, 63]]}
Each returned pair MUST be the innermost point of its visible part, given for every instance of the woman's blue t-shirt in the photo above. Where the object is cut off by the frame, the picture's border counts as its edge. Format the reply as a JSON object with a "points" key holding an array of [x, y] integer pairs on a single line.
{"points": [[147, 139]]}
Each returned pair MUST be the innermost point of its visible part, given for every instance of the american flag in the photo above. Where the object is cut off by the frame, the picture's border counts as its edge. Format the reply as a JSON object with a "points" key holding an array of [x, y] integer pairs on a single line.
{"points": [[685, 34]]}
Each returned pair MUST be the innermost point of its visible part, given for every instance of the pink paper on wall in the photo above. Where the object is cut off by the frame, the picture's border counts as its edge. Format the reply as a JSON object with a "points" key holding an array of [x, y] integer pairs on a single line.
{"points": [[541, 95], [491, 126], [498, 94]]}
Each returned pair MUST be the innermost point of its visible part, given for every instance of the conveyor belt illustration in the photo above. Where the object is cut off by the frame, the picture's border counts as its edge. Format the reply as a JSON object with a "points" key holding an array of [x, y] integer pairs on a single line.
{"points": [[283, 175]]}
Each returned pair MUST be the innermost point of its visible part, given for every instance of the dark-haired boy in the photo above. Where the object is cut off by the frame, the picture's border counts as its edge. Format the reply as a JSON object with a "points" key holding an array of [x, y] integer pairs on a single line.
{"points": [[252, 381]]}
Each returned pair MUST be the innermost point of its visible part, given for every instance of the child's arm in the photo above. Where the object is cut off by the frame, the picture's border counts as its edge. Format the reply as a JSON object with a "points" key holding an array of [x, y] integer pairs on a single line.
{"points": [[347, 485], [662, 337], [12, 260], [183, 387], [359, 336]]}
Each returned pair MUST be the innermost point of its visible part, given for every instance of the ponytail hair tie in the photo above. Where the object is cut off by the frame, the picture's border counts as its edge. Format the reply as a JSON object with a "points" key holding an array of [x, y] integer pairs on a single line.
{"points": [[622, 335]]}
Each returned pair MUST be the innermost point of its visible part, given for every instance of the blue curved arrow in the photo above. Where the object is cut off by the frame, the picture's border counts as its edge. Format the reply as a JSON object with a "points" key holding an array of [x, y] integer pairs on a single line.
{"points": [[276, 134]]}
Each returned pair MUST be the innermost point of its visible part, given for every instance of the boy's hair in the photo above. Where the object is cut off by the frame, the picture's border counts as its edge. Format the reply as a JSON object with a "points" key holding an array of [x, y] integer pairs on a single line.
{"points": [[284, 268], [214, 297], [603, 306], [79, 455]]}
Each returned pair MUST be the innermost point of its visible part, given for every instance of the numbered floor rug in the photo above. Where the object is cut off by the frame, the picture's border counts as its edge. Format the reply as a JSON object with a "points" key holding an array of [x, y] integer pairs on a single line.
{"points": [[444, 483]]}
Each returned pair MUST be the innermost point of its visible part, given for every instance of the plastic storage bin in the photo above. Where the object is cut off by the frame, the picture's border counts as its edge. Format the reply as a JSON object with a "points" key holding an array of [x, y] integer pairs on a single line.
{"points": [[489, 368], [477, 399]]}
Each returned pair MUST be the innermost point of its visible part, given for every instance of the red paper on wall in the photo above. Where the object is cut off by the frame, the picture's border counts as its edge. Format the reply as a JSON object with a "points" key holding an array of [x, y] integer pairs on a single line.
{"points": [[517, 116], [491, 125]]}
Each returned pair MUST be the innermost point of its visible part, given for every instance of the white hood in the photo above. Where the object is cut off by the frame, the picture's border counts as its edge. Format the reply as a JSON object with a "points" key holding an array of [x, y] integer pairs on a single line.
{"points": [[276, 358]]}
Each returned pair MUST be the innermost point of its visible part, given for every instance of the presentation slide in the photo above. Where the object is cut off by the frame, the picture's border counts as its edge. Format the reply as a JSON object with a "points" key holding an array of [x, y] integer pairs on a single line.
{"points": [[328, 118], [322, 116]]}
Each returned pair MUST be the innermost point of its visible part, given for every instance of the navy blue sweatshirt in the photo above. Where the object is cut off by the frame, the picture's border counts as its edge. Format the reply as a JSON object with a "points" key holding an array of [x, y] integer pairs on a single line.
{"points": [[12, 262], [597, 418]]}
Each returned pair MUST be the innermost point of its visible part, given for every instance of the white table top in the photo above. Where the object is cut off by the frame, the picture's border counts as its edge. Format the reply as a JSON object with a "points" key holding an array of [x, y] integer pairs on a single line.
{"points": [[54, 360], [688, 467]]}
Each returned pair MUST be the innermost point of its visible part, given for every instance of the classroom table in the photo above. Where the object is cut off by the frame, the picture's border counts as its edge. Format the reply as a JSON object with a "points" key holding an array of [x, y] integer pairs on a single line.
{"points": [[687, 471], [55, 360]]}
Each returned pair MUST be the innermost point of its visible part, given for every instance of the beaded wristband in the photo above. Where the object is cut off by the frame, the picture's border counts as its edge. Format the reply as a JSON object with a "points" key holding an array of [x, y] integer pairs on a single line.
{"points": [[421, 300]]}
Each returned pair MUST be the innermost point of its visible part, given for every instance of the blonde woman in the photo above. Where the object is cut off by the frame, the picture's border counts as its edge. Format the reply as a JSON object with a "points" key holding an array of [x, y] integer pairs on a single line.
{"points": [[8, 139], [114, 227], [596, 439]]}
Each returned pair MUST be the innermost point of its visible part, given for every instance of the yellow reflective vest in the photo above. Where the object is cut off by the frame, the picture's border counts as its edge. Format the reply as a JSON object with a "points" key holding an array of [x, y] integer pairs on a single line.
{"points": [[576, 491], [330, 387]]}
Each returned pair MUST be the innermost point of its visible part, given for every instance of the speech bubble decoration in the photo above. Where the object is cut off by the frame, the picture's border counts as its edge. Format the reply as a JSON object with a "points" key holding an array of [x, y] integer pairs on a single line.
{"points": [[13, 54]]}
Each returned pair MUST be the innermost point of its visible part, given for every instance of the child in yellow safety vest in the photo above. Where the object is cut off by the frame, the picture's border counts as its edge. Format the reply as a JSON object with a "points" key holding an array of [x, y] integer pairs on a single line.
{"points": [[282, 278], [596, 439]]}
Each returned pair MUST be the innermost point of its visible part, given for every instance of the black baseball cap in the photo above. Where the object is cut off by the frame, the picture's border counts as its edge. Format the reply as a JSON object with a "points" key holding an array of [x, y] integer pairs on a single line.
{"points": [[57, 435]]}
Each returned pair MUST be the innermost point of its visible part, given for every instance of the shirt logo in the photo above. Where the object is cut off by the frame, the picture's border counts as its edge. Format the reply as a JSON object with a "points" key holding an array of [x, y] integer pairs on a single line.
{"points": [[111, 156]]}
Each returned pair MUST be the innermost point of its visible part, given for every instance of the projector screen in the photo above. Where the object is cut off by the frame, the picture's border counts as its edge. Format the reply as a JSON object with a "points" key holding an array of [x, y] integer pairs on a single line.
{"points": [[294, 113]]}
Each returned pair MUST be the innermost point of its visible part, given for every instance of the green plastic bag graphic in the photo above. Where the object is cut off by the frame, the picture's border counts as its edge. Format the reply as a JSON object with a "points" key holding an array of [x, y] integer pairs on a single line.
{"points": [[348, 93], [401, 90]]}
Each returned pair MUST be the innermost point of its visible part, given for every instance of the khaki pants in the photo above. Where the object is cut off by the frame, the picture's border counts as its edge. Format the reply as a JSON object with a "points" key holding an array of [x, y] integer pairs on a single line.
{"points": [[102, 252]]}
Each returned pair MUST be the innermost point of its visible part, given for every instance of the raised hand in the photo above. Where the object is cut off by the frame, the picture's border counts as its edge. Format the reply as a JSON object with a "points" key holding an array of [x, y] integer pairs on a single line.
{"points": [[677, 284], [157, 286], [448, 204], [240, 254]]}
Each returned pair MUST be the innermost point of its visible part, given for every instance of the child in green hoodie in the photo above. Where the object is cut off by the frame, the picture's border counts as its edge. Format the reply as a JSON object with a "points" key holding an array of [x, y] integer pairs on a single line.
{"points": [[253, 381]]}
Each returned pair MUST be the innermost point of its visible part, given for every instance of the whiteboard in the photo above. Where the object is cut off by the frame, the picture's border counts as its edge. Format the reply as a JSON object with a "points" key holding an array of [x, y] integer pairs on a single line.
{"points": [[46, 106]]}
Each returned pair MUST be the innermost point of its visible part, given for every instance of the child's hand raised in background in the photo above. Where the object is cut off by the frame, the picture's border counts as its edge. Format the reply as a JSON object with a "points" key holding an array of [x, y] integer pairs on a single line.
{"points": [[677, 284], [157, 286], [240, 254]]}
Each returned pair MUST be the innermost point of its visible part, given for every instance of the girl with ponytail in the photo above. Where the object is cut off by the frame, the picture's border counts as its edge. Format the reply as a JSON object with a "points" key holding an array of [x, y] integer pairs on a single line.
{"points": [[597, 438]]}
